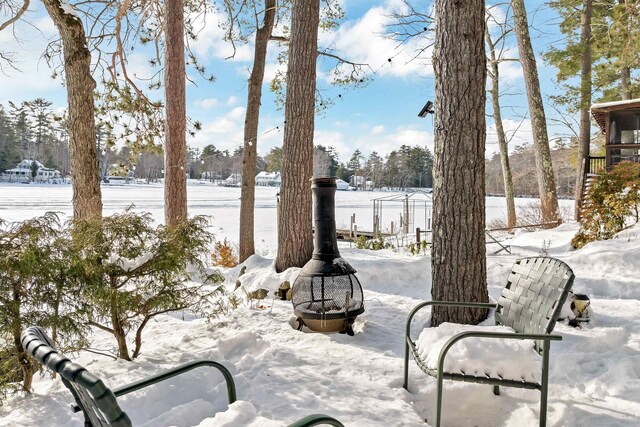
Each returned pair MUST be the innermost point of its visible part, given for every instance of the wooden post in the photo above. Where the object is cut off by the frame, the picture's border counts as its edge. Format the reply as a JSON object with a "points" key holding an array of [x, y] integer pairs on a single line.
{"points": [[355, 231], [374, 226], [351, 227], [406, 215], [418, 240], [392, 228]]}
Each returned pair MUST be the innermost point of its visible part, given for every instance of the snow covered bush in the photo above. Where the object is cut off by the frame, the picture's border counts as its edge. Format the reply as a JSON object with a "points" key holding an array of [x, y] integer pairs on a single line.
{"points": [[363, 242], [613, 204], [134, 272], [38, 284]]}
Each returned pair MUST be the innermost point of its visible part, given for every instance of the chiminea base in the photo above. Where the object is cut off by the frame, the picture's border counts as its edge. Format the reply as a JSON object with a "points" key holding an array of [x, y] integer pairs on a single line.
{"points": [[344, 326]]}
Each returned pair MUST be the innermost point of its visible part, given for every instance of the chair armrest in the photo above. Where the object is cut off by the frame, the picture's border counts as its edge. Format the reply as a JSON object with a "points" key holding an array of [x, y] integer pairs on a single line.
{"points": [[489, 334], [422, 305], [316, 419], [231, 387]]}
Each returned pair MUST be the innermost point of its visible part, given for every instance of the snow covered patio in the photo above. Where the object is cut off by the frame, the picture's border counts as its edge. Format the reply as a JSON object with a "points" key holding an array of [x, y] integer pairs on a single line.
{"points": [[282, 374]]}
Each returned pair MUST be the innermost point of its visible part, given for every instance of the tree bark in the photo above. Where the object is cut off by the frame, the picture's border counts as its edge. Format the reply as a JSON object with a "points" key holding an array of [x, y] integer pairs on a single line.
{"points": [[295, 238], [247, 198], [459, 257], [175, 181], [118, 330], [585, 104], [81, 125], [544, 167], [625, 80], [502, 139]]}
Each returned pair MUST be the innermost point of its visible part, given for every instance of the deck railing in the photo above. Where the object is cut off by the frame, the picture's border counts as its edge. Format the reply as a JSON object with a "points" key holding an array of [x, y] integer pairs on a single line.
{"points": [[595, 165]]}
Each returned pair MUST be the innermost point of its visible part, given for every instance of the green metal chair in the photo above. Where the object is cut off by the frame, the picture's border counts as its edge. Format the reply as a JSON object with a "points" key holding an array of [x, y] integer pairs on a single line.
{"points": [[530, 305], [316, 420], [99, 404]]}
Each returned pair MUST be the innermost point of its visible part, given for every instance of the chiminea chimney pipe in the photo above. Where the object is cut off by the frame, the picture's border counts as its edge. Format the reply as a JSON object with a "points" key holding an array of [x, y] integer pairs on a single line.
{"points": [[326, 259]]}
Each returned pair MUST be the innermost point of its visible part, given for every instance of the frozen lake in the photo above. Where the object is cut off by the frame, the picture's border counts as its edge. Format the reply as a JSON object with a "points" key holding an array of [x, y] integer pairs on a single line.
{"points": [[222, 204]]}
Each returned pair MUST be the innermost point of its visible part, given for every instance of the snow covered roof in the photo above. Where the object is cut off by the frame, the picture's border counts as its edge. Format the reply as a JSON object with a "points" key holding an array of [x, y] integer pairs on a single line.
{"points": [[268, 175], [600, 111], [614, 104], [26, 164]]}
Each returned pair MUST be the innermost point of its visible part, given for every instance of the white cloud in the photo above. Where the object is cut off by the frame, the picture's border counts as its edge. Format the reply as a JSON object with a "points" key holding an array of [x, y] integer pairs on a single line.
{"points": [[26, 44], [211, 43], [517, 132], [237, 113], [207, 103], [363, 40], [335, 139], [226, 132], [510, 72], [232, 100], [383, 142], [377, 130]]}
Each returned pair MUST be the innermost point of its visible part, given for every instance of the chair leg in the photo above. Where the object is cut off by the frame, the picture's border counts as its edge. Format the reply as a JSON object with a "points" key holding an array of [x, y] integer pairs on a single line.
{"points": [[439, 400], [496, 390], [544, 383], [406, 365]]}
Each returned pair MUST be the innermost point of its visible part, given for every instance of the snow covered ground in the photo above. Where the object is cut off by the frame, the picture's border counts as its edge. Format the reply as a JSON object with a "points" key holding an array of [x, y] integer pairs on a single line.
{"points": [[282, 374], [222, 204]]}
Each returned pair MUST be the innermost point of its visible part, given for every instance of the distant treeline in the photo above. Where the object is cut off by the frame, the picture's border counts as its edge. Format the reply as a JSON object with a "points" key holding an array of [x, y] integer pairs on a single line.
{"points": [[522, 160], [31, 130]]}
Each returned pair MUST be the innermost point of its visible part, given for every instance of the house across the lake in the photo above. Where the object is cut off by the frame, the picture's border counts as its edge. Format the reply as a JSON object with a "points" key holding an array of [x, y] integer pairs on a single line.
{"points": [[268, 179], [24, 172], [342, 185], [234, 180]]}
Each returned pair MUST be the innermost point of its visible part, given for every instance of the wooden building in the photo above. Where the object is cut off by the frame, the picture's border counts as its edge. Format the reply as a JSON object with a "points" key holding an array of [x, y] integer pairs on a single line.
{"points": [[619, 121]]}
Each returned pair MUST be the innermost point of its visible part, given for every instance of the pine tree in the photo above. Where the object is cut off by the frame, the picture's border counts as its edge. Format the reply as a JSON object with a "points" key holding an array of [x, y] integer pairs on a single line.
{"points": [[87, 197], [263, 33], [544, 166], [295, 242], [9, 150], [175, 182], [458, 257]]}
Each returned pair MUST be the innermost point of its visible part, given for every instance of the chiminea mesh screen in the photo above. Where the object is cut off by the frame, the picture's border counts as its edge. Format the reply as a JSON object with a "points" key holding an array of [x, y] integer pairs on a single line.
{"points": [[327, 297]]}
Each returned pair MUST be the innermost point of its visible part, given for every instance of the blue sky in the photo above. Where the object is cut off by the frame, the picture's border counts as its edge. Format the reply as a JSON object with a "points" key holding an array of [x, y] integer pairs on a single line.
{"points": [[381, 116]]}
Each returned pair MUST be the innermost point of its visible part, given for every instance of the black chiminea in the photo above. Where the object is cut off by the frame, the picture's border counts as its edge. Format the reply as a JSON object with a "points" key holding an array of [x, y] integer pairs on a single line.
{"points": [[326, 296]]}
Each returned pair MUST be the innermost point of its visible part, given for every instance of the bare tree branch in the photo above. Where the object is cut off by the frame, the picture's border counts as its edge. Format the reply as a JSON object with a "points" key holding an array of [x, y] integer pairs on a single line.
{"points": [[16, 16]]}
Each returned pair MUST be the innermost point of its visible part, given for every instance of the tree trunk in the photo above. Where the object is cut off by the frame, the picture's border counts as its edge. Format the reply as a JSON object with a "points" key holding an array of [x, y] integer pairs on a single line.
{"points": [[625, 86], [585, 104], [459, 257], [544, 167], [118, 330], [247, 198], [85, 174], [295, 238], [502, 140], [175, 181]]}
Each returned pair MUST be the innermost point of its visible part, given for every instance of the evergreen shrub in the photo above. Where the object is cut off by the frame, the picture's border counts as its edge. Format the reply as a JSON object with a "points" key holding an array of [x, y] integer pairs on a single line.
{"points": [[613, 204], [134, 272]]}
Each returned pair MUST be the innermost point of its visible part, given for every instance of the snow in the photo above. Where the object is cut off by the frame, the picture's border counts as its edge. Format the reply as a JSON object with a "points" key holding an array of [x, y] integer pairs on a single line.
{"points": [[282, 374], [505, 358], [68, 8], [127, 264]]}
